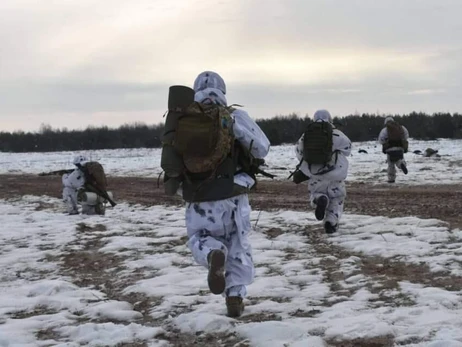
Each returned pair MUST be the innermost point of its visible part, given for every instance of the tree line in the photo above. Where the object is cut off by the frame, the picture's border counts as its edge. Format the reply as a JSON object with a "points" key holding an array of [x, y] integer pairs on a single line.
{"points": [[279, 130]]}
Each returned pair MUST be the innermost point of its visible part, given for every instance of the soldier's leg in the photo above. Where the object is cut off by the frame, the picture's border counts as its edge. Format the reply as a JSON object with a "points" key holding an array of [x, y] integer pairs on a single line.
{"points": [[391, 170], [318, 196], [70, 200], [239, 266], [207, 224], [401, 164], [240, 270], [88, 209], [334, 211]]}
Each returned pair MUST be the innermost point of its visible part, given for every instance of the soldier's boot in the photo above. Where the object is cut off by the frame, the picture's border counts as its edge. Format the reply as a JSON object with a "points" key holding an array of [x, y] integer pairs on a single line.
{"points": [[235, 306], [72, 209], [216, 276], [330, 228], [403, 168], [321, 205]]}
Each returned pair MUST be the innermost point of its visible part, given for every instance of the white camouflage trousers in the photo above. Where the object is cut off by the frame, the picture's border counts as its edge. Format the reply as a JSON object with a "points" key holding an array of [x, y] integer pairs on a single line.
{"points": [[224, 225], [335, 192], [70, 199], [71, 184], [392, 165]]}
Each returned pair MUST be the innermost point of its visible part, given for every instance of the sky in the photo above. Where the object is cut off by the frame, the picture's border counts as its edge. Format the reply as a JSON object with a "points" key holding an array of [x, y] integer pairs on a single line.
{"points": [[75, 63]]}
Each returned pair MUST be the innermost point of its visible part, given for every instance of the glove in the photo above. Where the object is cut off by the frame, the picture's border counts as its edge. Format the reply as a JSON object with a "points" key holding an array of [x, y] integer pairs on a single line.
{"points": [[299, 177]]}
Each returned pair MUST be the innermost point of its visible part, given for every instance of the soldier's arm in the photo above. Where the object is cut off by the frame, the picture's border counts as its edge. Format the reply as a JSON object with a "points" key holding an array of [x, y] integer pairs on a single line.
{"points": [[249, 134], [406, 133], [383, 136], [299, 148], [341, 143]]}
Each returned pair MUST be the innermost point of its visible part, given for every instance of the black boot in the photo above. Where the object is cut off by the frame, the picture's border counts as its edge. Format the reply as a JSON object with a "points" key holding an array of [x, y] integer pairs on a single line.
{"points": [[235, 306], [216, 276], [321, 205], [329, 228], [404, 168]]}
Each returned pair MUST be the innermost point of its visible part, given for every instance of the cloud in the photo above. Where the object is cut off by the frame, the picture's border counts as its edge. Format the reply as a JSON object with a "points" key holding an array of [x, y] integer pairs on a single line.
{"points": [[90, 58], [426, 91]]}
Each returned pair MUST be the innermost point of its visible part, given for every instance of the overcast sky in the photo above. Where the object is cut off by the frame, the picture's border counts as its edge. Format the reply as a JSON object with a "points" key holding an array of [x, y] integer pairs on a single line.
{"points": [[74, 63]]}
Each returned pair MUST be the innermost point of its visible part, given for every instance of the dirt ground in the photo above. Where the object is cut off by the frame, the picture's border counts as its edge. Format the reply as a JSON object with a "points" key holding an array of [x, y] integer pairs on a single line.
{"points": [[433, 201], [443, 202]]}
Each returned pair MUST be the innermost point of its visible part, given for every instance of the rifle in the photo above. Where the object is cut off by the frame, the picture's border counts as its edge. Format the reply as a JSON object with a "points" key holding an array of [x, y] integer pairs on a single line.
{"points": [[57, 172], [92, 186], [249, 164]]}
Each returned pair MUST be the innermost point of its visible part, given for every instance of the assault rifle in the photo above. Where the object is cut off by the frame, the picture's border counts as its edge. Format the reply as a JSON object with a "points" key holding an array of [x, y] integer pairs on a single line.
{"points": [[249, 164], [92, 187], [57, 172]]}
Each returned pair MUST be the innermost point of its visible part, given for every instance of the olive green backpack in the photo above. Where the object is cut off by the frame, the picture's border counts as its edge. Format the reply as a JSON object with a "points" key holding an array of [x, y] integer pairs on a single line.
{"points": [[317, 143], [197, 138]]}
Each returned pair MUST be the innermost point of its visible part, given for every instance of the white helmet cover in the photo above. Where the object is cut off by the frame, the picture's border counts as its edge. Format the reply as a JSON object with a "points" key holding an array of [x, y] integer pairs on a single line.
{"points": [[388, 119], [80, 160], [323, 115], [209, 79]]}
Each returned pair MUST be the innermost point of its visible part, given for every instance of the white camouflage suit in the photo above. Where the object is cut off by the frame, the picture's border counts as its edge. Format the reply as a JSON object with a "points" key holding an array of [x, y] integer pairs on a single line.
{"points": [[225, 224], [392, 165], [72, 183], [330, 184]]}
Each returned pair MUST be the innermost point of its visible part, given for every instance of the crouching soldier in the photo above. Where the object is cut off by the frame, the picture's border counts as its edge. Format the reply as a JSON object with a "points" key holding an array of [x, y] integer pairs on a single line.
{"points": [[322, 151], [86, 185], [206, 149], [394, 141]]}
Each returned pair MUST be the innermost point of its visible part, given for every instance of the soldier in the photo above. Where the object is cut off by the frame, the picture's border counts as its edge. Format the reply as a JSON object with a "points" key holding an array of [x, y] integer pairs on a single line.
{"points": [[217, 209], [322, 151], [87, 185], [394, 141]]}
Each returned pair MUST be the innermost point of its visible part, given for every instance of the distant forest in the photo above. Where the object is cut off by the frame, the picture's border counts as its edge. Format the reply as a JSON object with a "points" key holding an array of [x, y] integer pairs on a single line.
{"points": [[280, 130]]}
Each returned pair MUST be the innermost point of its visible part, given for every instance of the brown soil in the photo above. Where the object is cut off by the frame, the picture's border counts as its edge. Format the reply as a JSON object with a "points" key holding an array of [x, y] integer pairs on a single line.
{"points": [[439, 201], [433, 201]]}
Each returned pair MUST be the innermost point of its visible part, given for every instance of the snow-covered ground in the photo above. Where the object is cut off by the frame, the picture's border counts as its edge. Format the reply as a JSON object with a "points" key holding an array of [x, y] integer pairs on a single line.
{"points": [[281, 160], [128, 279]]}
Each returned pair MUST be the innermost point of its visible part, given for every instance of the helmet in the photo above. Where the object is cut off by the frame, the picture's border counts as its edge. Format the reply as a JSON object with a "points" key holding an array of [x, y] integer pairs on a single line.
{"points": [[323, 115], [387, 120], [209, 79], [80, 160]]}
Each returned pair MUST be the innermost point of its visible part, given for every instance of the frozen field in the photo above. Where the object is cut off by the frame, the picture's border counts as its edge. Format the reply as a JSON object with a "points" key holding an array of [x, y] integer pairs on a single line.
{"points": [[123, 280], [281, 159], [128, 279]]}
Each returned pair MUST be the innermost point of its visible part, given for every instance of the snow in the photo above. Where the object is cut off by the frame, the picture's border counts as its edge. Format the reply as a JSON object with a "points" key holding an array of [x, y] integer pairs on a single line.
{"points": [[309, 290], [281, 160]]}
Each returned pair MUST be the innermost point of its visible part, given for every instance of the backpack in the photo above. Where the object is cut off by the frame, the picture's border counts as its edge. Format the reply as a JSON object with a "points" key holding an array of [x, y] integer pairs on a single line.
{"points": [[318, 143], [94, 175], [204, 137], [395, 134]]}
